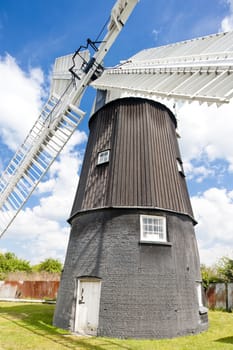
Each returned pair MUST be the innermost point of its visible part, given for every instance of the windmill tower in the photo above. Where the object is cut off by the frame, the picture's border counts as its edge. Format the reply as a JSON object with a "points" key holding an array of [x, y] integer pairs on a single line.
{"points": [[132, 266], [132, 256]]}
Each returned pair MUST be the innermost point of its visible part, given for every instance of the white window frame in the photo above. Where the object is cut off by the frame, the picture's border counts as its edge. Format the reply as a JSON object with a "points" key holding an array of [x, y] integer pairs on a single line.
{"points": [[153, 228], [180, 166], [103, 157], [202, 309], [199, 293]]}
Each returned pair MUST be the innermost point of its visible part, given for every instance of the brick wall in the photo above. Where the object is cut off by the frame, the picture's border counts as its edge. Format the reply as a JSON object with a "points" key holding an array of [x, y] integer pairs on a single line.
{"points": [[148, 290]]}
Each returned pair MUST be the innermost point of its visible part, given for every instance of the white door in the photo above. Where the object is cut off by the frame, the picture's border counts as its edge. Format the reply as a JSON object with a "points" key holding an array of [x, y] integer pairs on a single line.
{"points": [[87, 306]]}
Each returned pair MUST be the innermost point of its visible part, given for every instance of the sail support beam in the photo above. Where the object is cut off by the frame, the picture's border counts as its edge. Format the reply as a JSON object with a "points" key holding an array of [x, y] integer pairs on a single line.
{"points": [[57, 122]]}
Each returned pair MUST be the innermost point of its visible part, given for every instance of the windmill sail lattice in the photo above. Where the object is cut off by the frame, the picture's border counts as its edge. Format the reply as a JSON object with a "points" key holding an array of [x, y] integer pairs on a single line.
{"points": [[32, 160], [195, 70], [56, 123]]}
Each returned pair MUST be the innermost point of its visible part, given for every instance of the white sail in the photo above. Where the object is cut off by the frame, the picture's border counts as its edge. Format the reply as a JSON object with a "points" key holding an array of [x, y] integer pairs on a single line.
{"points": [[195, 70]]}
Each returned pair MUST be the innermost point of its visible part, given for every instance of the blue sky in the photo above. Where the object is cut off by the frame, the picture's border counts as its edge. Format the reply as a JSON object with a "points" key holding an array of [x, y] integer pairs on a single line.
{"points": [[32, 35]]}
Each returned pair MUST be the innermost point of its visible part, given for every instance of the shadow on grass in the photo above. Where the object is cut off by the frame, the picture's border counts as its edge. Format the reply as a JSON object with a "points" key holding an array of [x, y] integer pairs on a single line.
{"points": [[227, 340], [37, 318]]}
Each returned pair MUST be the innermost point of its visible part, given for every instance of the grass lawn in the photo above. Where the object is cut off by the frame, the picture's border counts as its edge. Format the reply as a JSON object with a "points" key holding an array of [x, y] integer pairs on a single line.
{"points": [[29, 326]]}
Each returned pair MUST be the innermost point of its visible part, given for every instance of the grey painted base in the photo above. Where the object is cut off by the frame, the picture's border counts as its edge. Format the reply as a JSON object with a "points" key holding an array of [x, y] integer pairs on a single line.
{"points": [[148, 290]]}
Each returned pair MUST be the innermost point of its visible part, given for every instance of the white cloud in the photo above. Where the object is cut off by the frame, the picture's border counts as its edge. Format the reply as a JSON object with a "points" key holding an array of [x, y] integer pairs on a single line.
{"points": [[213, 210], [206, 141], [206, 132], [227, 22], [211, 254], [21, 96], [36, 237], [40, 230], [199, 173]]}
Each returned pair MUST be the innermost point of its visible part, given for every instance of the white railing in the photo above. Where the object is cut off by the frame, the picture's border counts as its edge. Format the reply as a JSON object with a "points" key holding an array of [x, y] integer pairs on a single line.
{"points": [[30, 163]]}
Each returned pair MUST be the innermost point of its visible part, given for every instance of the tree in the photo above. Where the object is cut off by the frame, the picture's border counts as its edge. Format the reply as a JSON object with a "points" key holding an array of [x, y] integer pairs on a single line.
{"points": [[10, 263], [49, 265], [225, 269], [209, 275], [222, 271]]}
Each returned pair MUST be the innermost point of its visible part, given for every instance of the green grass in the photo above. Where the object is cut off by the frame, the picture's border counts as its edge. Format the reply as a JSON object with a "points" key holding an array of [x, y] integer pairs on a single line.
{"points": [[29, 326]]}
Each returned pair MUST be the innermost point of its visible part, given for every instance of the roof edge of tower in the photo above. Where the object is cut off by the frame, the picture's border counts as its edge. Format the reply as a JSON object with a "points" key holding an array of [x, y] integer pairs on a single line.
{"points": [[135, 99], [133, 208]]}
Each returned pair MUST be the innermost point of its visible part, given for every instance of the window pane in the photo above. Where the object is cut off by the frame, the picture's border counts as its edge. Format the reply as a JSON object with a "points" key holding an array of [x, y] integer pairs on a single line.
{"points": [[103, 157], [153, 228]]}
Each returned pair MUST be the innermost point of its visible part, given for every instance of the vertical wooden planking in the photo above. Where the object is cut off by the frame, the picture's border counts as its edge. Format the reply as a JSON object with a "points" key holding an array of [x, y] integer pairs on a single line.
{"points": [[142, 171]]}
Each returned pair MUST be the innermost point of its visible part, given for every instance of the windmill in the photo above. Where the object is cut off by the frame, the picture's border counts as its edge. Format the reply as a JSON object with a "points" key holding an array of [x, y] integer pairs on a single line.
{"points": [[132, 265]]}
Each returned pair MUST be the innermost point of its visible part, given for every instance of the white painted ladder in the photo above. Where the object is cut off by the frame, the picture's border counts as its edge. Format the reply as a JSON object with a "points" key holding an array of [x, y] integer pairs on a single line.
{"points": [[57, 121], [45, 141]]}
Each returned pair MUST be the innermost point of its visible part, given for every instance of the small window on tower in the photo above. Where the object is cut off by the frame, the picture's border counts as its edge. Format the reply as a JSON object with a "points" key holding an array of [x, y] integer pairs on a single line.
{"points": [[153, 228], [180, 166], [103, 157]]}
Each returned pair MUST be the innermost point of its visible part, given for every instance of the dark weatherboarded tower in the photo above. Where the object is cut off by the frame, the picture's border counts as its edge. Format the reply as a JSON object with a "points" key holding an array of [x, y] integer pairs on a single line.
{"points": [[132, 266]]}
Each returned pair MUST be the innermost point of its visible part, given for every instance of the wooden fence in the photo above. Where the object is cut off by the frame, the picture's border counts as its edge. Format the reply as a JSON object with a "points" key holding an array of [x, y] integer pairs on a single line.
{"points": [[220, 296], [28, 289]]}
